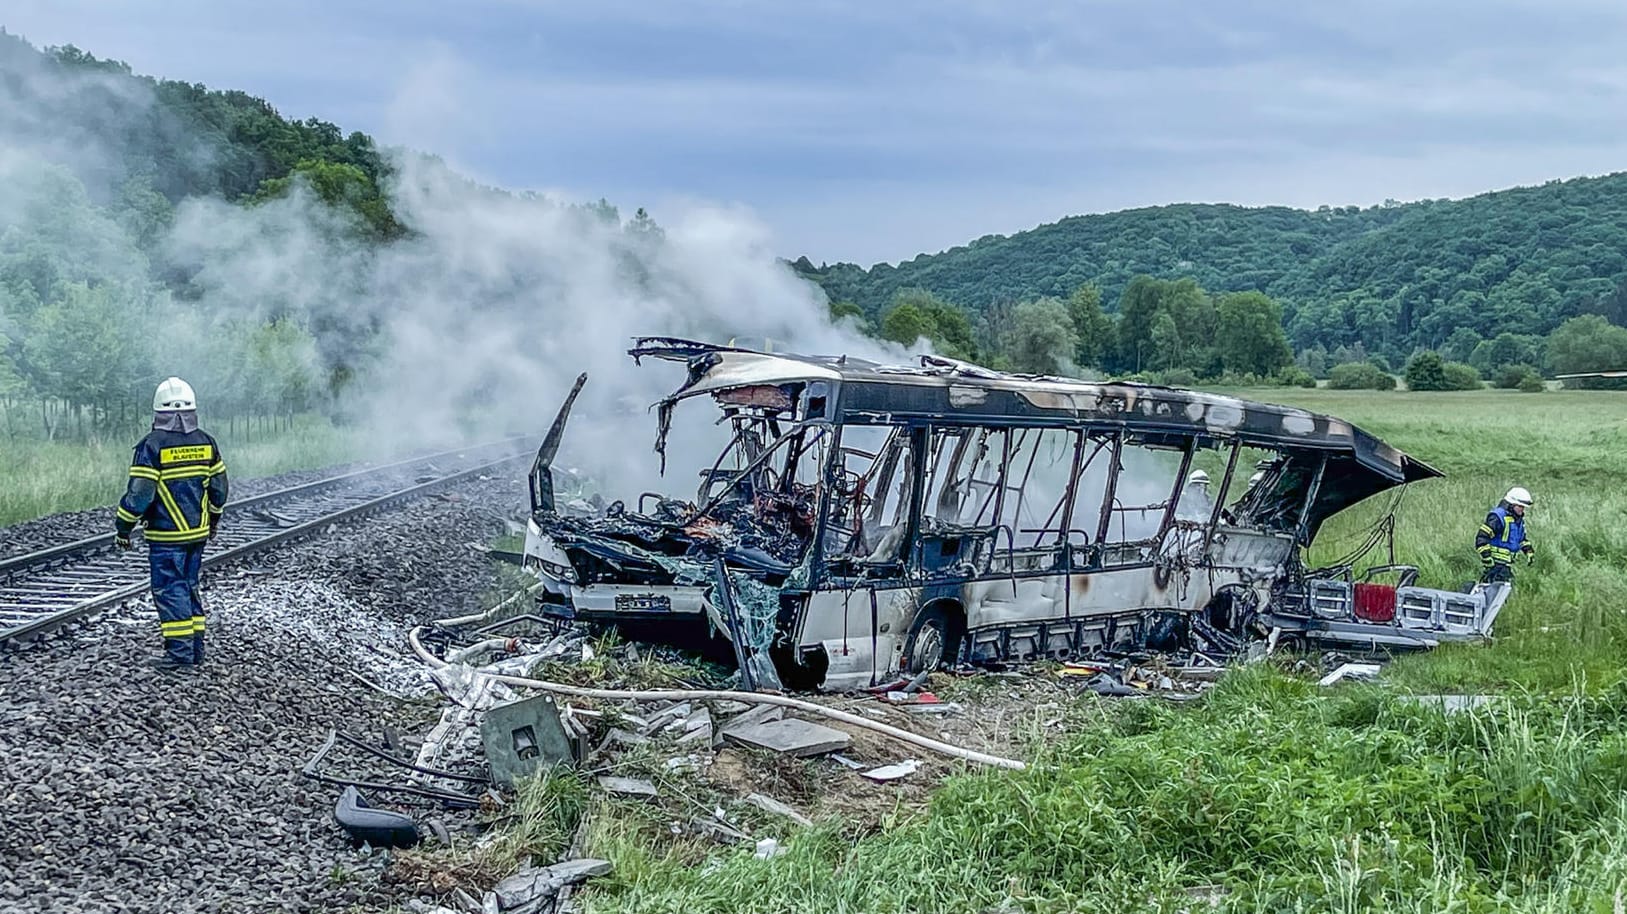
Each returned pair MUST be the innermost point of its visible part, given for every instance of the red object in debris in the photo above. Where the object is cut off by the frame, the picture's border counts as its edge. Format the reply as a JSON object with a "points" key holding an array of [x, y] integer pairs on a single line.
{"points": [[1375, 602]]}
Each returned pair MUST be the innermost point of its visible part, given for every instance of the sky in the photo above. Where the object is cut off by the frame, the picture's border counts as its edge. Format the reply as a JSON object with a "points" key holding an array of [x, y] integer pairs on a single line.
{"points": [[875, 130]]}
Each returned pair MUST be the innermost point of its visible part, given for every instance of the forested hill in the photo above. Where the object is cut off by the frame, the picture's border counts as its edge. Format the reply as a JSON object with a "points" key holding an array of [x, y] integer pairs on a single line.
{"points": [[1394, 278], [117, 130]]}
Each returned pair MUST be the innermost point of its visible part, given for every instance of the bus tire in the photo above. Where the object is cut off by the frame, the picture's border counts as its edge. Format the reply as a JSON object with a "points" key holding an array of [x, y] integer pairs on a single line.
{"points": [[934, 640]]}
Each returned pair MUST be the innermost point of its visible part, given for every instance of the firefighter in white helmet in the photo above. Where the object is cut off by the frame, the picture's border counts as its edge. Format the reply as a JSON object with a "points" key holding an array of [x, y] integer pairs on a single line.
{"points": [[1503, 536], [1196, 503], [178, 490]]}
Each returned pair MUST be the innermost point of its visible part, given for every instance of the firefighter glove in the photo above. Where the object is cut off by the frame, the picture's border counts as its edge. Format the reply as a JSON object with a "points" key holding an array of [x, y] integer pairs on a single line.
{"points": [[1527, 548], [122, 540]]}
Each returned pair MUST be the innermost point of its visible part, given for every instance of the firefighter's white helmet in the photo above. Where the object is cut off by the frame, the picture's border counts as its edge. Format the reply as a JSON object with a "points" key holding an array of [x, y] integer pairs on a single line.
{"points": [[173, 394], [1197, 477], [1255, 479], [1518, 496]]}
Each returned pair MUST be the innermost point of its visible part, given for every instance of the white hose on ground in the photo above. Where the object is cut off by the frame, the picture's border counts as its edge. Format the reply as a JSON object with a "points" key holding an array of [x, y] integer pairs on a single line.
{"points": [[485, 614], [762, 698]]}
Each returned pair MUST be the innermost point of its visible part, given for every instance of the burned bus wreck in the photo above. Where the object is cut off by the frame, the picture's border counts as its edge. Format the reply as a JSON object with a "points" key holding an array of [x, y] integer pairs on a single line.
{"points": [[866, 520]]}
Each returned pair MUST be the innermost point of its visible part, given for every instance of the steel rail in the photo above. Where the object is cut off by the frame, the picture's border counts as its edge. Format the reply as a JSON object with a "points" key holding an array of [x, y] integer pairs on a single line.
{"points": [[10, 566], [107, 599]]}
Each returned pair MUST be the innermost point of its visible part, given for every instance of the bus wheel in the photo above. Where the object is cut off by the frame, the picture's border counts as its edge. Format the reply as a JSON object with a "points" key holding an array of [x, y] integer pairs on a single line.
{"points": [[934, 640]]}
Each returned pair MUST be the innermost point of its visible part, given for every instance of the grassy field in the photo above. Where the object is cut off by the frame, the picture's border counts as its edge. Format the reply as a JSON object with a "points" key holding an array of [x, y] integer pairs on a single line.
{"points": [[46, 477], [1272, 794]]}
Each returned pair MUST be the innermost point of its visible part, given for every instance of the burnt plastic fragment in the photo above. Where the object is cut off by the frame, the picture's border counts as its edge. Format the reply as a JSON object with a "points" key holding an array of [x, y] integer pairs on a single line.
{"points": [[377, 827]]}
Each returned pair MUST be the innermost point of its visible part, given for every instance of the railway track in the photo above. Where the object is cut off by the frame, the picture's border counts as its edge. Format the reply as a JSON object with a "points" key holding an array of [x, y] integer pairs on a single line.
{"points": [[46, 589]]}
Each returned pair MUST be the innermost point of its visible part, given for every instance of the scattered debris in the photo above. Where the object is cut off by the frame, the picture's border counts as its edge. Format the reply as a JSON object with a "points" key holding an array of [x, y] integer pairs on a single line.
{"points": [[1450, 704], [628, 787], [768, 848], [892, 772], [771, 805], [1363, 671], [523, 736], [371, 826], [790, 736], [534, 883], [760, 714]]}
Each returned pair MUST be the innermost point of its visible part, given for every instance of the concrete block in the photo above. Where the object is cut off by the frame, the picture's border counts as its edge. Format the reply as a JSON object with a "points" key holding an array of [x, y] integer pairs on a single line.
{"points": [[790, 736]]}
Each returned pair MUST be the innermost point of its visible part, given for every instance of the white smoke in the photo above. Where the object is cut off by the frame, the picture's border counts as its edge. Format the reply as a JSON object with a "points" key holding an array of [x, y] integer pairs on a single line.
{"points": [[484, 316], [472, 326]]}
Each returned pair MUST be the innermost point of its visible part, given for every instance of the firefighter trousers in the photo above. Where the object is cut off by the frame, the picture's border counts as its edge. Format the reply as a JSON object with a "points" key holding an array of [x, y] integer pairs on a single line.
{"points": [[175, 568]]}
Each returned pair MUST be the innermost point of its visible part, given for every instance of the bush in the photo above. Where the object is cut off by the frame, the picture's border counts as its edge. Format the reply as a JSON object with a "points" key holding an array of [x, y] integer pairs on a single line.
{"points": [[1359, 376], [1426, 371], [1295, 376], [1531, 384], [1178, 377], [1462, 377], [1511, 376]]}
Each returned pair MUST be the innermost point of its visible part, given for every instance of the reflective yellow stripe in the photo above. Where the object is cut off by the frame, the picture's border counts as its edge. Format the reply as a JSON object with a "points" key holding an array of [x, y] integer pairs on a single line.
{"points": [[175, 515], [144, 472], [1486, 529], [197, 623], [218, 468], [176, 629], [176, 536], [185, 473], [126, 516]]}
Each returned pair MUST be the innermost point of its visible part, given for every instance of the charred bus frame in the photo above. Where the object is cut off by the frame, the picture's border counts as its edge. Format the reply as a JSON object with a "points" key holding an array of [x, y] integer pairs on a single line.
{"points": [[866, 520]]}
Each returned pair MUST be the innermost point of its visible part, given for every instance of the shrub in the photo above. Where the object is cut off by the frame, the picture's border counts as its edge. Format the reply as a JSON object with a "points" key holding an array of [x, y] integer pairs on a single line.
{"points": [[1294, 376], [1511, 376], [1178, 377], [1461, 377], [1532, 384], [1426, 371], [1359, 376]]}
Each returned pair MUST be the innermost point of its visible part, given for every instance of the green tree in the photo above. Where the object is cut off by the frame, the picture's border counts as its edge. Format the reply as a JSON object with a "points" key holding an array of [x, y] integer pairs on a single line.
{"points": [[1460, 376], [341, 186], [1426, 371], [1493, 355], [1585, 344], [1461, 344], [1166, 342], [1249, 338], [1092, 327], [1039, 338], [845, 310], [87, 349], [917, 314], [1138, 311], [904, 323]]}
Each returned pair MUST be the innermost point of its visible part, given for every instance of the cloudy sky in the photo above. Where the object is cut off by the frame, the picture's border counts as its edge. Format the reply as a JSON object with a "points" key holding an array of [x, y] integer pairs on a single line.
{"points": [[872, 130]]}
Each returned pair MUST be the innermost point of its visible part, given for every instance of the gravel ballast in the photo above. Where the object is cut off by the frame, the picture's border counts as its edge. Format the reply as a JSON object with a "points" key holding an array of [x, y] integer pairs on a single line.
{"points": [[130, 789]]}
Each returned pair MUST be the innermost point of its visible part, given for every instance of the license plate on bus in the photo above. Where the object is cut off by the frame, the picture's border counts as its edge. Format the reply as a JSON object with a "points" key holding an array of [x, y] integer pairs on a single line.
{"points": [[643, 603]]}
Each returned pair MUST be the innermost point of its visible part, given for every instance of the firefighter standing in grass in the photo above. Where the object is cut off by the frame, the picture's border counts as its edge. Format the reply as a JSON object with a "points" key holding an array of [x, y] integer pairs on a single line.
{"points": [[178, 490], [1502, 537]]}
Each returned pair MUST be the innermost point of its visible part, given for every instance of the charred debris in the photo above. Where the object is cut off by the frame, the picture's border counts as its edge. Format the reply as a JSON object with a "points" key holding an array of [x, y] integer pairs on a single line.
{"points": [[868, 521]]}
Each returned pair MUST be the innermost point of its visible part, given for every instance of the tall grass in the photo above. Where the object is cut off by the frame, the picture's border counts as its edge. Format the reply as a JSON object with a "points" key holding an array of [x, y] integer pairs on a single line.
{"points": [[1286, 796]]}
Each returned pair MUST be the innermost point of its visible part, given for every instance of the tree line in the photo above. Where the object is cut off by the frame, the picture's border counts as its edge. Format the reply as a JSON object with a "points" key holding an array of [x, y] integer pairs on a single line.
{"points": [[1483, 281], [1176, 332]]}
